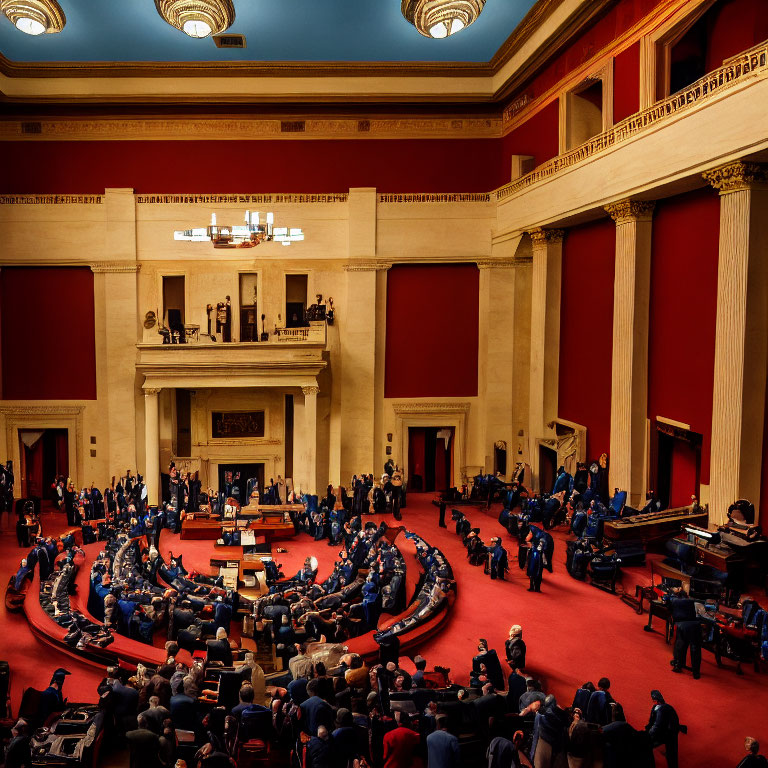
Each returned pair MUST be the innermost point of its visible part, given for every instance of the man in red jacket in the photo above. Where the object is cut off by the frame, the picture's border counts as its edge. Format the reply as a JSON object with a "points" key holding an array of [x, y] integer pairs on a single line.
{"points": [[401, 744]]}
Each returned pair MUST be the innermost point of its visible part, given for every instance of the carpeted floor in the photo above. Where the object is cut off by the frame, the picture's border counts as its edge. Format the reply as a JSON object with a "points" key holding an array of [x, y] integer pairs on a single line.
{"points": [[573, 631]]}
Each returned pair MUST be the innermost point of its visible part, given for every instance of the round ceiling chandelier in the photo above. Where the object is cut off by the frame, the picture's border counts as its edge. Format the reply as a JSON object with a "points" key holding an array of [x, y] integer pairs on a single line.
{"points": [[441, 18], [197, 18], [34, 17]]}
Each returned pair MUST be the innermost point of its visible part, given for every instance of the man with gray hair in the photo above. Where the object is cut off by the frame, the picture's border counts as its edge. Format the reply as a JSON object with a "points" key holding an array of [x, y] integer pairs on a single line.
{"points": [[753, 758]]}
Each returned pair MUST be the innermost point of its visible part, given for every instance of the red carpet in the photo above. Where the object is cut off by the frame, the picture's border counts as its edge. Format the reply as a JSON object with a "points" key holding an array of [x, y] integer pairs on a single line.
{"points": [[574, 633]]}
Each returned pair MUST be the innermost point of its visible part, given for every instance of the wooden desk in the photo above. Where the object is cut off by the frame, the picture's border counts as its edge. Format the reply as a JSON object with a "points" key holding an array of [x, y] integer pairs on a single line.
{"points": [[653, 526], [197, 530], [257, 510], [272, 531]]}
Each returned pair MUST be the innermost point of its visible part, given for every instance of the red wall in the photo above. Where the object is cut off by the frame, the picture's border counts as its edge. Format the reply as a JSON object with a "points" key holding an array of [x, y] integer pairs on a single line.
{"points": [[626, 83], [303, 166], [683, 475], [586, 331], [48, 347], [732, 27], [432, 330], [681, 334], [537, 136]]}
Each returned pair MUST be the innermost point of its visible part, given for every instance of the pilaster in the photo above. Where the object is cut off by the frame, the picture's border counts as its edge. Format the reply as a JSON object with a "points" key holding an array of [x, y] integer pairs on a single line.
{"points": [[741, 351], [152, 444], [547, 248], [629, 381], [310, 437]]}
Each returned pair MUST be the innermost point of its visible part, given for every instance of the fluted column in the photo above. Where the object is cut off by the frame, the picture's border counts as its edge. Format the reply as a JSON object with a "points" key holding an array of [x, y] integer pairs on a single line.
{"points": [[152, 445], [310, 435], [738, 407], [629, 381], [547, 247]]}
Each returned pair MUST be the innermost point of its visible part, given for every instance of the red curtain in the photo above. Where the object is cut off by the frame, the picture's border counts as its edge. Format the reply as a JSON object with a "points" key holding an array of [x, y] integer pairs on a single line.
{"points": [[683, 480], [432, 330], [586, 331], [685, 248], [48, 344], [416, 457], [62, 452]]}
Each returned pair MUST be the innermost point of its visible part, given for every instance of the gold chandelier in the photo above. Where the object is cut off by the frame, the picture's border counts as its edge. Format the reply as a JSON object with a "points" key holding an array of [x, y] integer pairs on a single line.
{"points": [[34, 16], [441, 18], [197, 18]]}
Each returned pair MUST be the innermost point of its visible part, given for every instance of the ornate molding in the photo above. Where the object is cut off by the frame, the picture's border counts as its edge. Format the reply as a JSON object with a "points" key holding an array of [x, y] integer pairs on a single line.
{"points": [[509, 263], [310, 390], [367, 266], [422, 407], [115, 266], [51, 199], [148, 391], [447, 197], [546, 236], [221, 199], [737, 176], [744, 67], [164, 129], [627, 210], [41, 410]]}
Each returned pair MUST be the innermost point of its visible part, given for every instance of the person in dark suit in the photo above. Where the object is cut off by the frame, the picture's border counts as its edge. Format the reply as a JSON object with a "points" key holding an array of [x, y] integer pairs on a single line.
{"points": [[516, 687], [222, 615], [218, 649], [663, 727], [315, 711], [753, 758], [599, 706], [144, 746], [184, 712], [18, 754], [442, 507], [490, 658], [52, 698], [687, 633]]}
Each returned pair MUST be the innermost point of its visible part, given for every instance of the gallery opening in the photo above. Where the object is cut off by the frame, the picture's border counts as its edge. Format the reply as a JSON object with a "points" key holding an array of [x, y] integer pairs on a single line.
{"points": [[383, 383]]}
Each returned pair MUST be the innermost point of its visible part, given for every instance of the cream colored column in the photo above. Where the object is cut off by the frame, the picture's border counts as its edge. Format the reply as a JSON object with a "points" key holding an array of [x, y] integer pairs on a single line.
{"points": [[310, 435], [547, 247], [629, 380], [738, 408], [496, 355], [152, 444], [357, 322]]}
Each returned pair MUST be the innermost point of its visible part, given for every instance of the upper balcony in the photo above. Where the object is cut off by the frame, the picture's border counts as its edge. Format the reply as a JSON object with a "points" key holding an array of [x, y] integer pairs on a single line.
{"points": [[290, 357]]}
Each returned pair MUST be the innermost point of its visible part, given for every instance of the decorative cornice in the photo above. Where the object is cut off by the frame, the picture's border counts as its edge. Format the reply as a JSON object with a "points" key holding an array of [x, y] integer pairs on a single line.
{"points": [[41, 410], [510, 263], [367, 266], [737, 176], [311, 390], [115, 266], [624, 211], [426, 407], [223, 199], [51, 199], [216, 129], [445, 197], [546, 236]]}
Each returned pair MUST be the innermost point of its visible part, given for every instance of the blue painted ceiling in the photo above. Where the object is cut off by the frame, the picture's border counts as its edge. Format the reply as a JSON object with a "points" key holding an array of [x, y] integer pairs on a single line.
{"points": [[276, 30]]}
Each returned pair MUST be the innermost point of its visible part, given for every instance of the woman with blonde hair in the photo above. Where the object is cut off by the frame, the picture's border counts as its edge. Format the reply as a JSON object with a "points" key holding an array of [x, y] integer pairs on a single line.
{"points": [[515, 647]]}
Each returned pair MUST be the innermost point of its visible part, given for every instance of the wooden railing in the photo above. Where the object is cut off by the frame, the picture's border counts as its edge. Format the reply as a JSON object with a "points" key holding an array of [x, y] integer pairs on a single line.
{"points": [[313, 333], [751, 63]]}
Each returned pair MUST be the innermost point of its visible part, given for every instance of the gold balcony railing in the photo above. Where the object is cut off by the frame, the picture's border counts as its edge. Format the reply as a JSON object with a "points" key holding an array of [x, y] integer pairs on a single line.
{"points": [[751, 63]]}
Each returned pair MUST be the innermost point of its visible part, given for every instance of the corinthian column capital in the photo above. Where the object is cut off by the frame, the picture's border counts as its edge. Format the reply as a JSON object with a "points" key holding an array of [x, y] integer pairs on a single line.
{"points": [[623, 211], [311, 390], [542, 236], [737, 176]]}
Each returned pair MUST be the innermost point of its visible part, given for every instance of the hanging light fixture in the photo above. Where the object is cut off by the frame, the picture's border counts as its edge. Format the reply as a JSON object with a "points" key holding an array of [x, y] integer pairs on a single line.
{"points": [[33, 17], [441, 18], [197, 18]]}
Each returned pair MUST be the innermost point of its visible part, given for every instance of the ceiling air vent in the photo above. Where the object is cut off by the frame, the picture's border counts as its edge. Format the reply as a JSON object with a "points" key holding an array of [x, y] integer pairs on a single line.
{"points": [[229, 41], [31, 127]]}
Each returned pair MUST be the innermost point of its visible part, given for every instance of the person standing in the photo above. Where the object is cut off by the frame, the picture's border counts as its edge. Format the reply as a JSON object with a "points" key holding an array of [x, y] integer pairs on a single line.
{"points": [[441, 507], [663, 727], [401, 744], [442, 746]]}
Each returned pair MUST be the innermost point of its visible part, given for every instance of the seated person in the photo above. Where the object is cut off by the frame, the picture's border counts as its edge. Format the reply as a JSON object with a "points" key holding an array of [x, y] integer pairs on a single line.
{"points": [[218, 649]]}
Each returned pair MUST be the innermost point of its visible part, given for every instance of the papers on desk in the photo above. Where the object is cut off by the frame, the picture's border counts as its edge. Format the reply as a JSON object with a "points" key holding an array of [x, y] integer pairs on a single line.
{"points": [[247, 538], [229, 576]]}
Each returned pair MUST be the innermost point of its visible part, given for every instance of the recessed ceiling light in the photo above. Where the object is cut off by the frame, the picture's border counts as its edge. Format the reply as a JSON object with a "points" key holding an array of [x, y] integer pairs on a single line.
{"points": [[197, 18], [33, 17], [441, 18]]}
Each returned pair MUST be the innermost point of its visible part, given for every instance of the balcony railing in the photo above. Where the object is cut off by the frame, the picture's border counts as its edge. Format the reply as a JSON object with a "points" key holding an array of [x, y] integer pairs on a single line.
{"points": [[313, 333], [751, 63]]}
